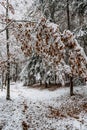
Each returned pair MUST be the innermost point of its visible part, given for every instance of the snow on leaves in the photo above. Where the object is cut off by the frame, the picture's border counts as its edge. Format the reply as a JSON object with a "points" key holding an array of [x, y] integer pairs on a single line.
{"points": [[45, 40], [77, 57]]}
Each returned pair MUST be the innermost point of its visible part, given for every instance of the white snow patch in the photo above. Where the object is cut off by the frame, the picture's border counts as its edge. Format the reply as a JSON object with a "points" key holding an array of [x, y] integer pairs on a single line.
{"points": [[12, 113]]}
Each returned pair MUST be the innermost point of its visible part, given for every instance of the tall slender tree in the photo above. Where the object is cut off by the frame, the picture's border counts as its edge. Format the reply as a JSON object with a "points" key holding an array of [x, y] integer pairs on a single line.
{"points": [[8, 56]]}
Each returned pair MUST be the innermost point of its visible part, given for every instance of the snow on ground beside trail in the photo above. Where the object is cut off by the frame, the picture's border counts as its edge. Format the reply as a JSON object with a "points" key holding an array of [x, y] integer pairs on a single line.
{"points": [[43, 109]]}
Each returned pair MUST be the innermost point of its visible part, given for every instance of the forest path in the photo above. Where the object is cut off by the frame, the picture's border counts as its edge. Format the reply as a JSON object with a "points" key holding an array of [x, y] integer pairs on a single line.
{"points": [[34, 109], [26, 106]]}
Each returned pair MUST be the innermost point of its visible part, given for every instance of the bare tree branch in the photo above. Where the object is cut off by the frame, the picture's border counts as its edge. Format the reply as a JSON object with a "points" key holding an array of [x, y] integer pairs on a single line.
{"points": [[2, 22], [6, 27], [25, 21], [18, 21]]}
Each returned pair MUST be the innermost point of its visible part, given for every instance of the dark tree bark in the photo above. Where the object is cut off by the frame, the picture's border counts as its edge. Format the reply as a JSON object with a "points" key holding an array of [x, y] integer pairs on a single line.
{"points": [[46, 85], [68, 15], [55, 79], [71, 86], [8, 57]]}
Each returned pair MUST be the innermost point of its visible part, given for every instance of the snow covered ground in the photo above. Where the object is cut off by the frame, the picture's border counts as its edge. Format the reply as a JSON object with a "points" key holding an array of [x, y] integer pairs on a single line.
{"points": [[34, 109]]}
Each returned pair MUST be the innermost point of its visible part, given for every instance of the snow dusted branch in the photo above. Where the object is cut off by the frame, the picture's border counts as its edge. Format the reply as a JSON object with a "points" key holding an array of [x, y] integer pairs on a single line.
{"points": [[6, 27], [25, 21], [15, 21]]}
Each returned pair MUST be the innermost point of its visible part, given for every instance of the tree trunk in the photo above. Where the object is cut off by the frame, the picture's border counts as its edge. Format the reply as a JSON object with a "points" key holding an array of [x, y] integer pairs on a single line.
{"points": [[68, 15], [45, 85], [8, 57], [55, 79], [71, 86], [16, 74], [2, 80], [40, 82]]}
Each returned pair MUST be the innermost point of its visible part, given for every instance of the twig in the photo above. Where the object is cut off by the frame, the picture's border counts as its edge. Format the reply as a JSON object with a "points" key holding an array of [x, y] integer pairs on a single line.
{"points": [[6, 27]]}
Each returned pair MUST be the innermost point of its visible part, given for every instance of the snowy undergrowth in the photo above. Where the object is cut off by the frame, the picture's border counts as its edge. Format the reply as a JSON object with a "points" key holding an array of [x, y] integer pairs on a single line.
{"points": [[34, 109]]}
